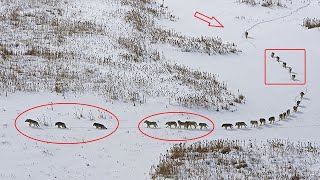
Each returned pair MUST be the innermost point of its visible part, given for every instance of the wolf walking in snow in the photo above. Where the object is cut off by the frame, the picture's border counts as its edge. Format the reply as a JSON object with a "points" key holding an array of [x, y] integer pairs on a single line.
{"points": [[149, 123], [301, 94], [295, 108], [226, 125], [246, 34], [205, 125], [241, 124], [272, 119], [32, 122], [254, 123], [99, 126], [184, 124], [288, 112], [262, 121], [171, 123], [191, 123], [61, 125]]}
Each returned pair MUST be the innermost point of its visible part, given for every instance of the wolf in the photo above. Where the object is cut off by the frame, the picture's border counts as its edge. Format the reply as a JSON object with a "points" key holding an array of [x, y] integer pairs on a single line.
{"points": [[288, 112], [284, 115], [246, 34], [205, 125], [272, 119], [191, 123], [301, 94], [284, 64], [293, 76], [278, 58], [298, 103], [262, 121], [32, 122], [170, 123], [60, 125], [149, 123], [98, 125], [240, 124], [254, 123], [227, 125], [280, 117], [290, 69], [184, 124], [272, 54], [295, 108]]}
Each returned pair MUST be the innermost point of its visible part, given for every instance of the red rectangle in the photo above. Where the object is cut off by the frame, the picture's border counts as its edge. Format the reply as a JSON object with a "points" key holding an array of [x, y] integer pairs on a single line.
{"points": [[285, 49]]}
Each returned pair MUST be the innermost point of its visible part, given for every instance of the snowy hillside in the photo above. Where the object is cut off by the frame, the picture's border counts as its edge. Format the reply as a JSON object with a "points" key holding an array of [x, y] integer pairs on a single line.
{"points": [[130, 60]]}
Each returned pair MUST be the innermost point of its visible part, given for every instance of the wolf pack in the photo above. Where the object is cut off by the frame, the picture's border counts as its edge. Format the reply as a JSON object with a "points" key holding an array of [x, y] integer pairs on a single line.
{"points": [[272, 119], [284, 65], [178, 124], [60, 125]]}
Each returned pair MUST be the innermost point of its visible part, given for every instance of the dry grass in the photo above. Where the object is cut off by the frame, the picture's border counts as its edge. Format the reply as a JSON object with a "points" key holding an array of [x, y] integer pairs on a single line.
{"points": [[233, 159]]}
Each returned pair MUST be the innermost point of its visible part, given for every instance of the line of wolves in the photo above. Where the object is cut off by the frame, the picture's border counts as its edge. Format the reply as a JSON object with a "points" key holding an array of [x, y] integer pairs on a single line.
{"points": [[262, 121], [284, 64], [180, 124], [61, 124]]}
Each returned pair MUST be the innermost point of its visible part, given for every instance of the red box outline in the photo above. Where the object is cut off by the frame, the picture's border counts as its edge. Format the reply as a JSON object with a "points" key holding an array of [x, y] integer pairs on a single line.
{"points": [[285, 49]]}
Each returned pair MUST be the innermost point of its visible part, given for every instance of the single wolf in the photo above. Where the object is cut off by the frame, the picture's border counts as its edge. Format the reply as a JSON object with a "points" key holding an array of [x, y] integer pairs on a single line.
{"points": [[227, 126], [272, 54], [272, 119], [191, 123], [298, 103], [284, 64], [301, 94], [171, 123], [99, 126], [295, 108], [278, 58], [290, 69], [262, 121], [184, 124], [60, 125], [246, 34], [280, 117], [293, 76], [149, 123], [240, 124], [205, 125], [32, 122], [254, 123], [288, 112]]}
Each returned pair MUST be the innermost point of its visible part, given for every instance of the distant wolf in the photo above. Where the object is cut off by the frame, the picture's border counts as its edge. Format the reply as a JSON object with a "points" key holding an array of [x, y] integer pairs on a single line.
{"points": [[254, 123], [290, 69], [298, 103], [191, 123], [227, 126], [262, 121], [32, 122], [288, 112], [184, 124], [284, 115], [99, 126], [281, 117], [60, 125], [272, 119], [171, 123], [205, 125], [246, 34], [149, 123], [301, 94], [240, 124], [272, 54], [295, 108], [278, 58], [293, 76], [284, 65]]}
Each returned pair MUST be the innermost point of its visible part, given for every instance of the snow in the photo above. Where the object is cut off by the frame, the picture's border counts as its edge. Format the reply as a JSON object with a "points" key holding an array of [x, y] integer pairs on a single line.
{"points": [[128, 154]]}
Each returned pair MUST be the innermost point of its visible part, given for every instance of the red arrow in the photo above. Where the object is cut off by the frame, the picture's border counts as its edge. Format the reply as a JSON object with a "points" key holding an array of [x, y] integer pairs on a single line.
{"points": [[210, 20]]}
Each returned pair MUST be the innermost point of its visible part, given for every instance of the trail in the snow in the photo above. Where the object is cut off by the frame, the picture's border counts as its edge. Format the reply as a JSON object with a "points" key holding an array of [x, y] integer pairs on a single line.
{"points": [[282, 17]]}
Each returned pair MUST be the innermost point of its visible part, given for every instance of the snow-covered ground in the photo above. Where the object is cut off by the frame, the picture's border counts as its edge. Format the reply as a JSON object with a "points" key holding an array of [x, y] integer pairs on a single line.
{"points": [[128, 154]]}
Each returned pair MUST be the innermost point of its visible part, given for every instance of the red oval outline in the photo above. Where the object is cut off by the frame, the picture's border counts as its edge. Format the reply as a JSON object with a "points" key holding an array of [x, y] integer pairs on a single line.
{"points": [[66, 103], [176, 140]]}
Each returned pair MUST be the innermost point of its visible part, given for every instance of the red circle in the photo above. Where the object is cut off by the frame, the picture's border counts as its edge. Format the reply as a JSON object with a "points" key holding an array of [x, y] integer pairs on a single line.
{"points": [[176, 140], [68, 103]]}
